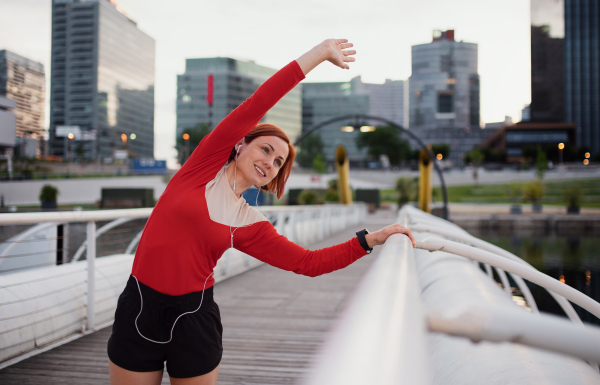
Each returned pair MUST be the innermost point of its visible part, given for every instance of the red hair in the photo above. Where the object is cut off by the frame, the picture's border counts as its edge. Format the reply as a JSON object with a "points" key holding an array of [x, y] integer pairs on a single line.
{"points": [[277, 185]]}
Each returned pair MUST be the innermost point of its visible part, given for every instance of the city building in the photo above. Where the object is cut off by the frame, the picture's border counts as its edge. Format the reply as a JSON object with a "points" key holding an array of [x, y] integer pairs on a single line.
{"points": [[526, 113], [495, 125], [8, 126], [385, 100], [547, 61], [102, 83], [23, 80], [460, 140], [582, 70], [515, 137], [210, 88], [444, 85], [321, 101]]}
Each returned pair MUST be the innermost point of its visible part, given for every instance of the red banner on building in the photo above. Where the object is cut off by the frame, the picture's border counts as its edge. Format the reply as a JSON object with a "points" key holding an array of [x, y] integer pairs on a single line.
{"points": [[209, 89]]}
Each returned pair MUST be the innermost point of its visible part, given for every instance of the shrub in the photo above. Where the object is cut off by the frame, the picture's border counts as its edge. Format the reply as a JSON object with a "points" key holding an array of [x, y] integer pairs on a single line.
{"points": [[308, 197], [534, 192], [405, 188], [572, 195], [515, 191], [48, 193]]}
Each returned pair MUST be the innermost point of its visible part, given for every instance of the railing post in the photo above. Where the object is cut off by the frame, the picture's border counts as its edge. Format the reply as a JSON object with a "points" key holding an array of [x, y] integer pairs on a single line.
{"points": [[280, 222], [91, 267], [292, 224]]}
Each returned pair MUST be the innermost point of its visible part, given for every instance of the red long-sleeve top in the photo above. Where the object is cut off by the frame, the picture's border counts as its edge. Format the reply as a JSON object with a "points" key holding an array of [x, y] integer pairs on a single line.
{"points": [[190, 227]]}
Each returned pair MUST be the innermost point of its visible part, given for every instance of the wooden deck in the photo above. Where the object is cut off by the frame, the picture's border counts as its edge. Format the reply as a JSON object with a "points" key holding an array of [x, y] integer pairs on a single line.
{"points": [[274, 321]]}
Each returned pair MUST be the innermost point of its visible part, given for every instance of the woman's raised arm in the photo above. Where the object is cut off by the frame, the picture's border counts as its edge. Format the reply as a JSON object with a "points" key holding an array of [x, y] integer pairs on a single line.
{"points": [[332, 50], [213, 151]]}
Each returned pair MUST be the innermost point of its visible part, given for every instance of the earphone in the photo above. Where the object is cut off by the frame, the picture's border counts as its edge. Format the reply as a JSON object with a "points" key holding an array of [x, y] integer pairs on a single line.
{"points": [[177, 319]]}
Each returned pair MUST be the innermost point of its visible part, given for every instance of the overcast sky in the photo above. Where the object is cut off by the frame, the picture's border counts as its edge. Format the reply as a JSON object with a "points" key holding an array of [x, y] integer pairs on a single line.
{"points": [[274, 32]]}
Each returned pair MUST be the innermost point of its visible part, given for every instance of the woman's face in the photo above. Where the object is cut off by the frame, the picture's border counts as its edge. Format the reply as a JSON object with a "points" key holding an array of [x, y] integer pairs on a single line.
{"points": [[261, 159]]}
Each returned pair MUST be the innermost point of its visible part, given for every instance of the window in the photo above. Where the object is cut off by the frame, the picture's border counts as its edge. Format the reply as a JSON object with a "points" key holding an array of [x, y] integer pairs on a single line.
{"points": [[445, 103]]}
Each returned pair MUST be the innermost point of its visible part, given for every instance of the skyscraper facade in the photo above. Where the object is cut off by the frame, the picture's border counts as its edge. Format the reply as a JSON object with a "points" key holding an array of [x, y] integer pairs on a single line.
{"points": [[211, 88], [322, 101], [547, 61], [102, 82], [582, 70], [444, 85], [23, 80]]}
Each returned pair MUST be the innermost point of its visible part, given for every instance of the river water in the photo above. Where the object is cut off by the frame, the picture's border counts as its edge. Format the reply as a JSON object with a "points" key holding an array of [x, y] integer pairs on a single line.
{"points": [[572, 260]]}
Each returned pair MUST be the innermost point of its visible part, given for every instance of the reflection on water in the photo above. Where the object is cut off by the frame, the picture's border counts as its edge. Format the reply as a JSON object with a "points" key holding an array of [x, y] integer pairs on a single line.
{"points": [[572, 260]]}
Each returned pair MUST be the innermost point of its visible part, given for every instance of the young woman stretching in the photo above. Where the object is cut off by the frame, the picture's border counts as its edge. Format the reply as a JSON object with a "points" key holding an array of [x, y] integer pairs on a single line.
{"points": [[167, 312]]}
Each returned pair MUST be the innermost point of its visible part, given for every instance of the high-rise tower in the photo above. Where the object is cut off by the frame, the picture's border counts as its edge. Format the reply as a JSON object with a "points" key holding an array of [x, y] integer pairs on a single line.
{"points": [[102, 84], [444, 85], [582, 70]]}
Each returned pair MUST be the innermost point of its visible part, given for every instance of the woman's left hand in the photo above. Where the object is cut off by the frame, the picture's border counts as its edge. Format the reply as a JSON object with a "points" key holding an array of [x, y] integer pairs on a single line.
{"points": [[379, 237]]}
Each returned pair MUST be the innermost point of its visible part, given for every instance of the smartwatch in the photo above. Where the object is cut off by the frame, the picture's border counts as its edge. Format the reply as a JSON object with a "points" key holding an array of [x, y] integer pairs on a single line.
{"points": [[362, 239]]}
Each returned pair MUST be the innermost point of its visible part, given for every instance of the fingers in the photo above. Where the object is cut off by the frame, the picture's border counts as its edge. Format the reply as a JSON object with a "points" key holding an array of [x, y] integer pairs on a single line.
{"points": [[341, 41], [346, 45], [349, 59], [396, 228], [351, 52]]}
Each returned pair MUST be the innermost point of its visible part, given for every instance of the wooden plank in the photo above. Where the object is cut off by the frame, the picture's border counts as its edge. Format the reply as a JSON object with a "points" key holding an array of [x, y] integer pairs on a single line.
{"points": [[274, 321]]}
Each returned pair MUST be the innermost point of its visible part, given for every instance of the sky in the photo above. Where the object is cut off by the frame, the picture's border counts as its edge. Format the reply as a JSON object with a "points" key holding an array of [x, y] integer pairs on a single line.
{"points": [[275, 32]]}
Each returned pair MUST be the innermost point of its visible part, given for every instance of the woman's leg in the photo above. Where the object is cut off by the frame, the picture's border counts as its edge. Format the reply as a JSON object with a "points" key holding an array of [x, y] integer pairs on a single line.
{"points": [[120, 376], [207, 379]]}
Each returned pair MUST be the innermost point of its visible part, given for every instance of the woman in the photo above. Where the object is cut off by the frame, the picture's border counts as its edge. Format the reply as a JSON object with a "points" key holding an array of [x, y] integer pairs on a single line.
{"points": [[167, 312]]}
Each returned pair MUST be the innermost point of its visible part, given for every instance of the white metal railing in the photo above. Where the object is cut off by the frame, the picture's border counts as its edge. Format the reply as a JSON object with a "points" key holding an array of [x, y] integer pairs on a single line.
{"points": [[434, 288], [43, 305]]}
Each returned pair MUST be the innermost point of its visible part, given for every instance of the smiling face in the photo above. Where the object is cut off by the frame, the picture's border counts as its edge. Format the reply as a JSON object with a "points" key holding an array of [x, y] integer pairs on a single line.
{"points": [[261, 159]]}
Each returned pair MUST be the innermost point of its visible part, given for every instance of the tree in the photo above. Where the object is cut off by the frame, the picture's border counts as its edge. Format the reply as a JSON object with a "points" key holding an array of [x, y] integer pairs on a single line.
{"points": [[196, 133], [541, 163], [442, 148], [384, 140], [310, 148]]}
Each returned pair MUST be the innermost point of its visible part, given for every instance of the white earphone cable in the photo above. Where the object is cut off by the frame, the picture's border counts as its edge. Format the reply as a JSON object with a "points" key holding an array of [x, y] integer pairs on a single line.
{"points": [[177, 319]]}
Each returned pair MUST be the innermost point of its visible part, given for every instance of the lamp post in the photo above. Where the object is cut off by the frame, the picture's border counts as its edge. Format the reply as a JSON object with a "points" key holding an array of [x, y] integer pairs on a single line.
{"points": [[71, 136], [561, 147], [186, 137]]}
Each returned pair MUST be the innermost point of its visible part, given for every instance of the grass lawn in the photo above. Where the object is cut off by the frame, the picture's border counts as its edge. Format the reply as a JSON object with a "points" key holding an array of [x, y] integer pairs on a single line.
{"points": [[499, 193]]}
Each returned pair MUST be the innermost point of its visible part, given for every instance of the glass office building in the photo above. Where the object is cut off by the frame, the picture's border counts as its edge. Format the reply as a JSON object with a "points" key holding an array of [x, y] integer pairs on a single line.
{"points": [[321, 101], [233, 82], [582, 70], [444, 85], [102, 81], [24, 81], [547, 61]]}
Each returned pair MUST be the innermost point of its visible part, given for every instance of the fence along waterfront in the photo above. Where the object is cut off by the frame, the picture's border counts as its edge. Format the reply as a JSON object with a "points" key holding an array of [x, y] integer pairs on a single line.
{"points": [[44, 306]]}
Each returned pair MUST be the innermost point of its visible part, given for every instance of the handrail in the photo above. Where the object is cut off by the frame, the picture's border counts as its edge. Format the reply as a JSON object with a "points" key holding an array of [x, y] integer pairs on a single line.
{"points": [[527, 272], [562, 302], [487, 323], [384, 319], [72, 216]]}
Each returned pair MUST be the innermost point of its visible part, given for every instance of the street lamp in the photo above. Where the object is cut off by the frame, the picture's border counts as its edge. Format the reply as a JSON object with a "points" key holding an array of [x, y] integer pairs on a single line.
{"points": [[561, 147], [71, 136], [186, 137]]}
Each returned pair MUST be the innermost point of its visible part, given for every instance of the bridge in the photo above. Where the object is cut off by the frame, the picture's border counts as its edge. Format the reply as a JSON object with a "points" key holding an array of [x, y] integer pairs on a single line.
{"points": [[456, 310]]}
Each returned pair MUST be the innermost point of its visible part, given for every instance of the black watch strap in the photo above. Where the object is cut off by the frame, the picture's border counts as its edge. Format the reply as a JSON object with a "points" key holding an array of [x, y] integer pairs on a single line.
{"points": [[362, 239]]}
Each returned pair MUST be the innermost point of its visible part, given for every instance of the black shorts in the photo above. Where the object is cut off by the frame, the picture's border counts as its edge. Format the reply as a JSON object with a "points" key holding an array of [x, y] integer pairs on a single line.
{"points": [[196, 347]]}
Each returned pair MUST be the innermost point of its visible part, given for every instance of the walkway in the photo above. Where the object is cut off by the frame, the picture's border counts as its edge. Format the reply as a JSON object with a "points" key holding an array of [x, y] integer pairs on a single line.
{"points": [[274, 321]]}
